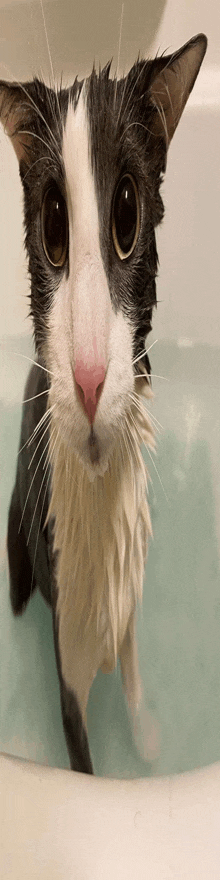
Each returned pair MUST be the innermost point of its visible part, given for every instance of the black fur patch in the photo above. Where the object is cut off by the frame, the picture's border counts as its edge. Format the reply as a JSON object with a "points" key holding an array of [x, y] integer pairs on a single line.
{"points": [[122, 139]]}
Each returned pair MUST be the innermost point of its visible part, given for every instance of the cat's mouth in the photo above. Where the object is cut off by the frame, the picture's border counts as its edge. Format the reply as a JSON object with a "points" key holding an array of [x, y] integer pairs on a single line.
{"points": [[94, 451]]}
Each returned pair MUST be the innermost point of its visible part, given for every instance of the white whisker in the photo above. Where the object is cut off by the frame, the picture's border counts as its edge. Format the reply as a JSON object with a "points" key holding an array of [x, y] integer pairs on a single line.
{"points": [[40, 159], [136, 397], [141, 125], [40, 424], [34, 134], [35, 431], [36, 364], [28, 399], [150, 375], [48, 463], [41, 485], [133, 88], [119, 49], [157, 472], [32, 102], [38, 531], [143, 410], [139, 459], [150, 455], [127, 448], [47, 41], [52, 446], [50, 60], [146, 350], [30, 487], [39, 442]]}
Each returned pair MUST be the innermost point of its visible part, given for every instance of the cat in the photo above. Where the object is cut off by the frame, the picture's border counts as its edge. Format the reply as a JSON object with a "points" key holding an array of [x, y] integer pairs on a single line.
{"points": [[91, 159]]}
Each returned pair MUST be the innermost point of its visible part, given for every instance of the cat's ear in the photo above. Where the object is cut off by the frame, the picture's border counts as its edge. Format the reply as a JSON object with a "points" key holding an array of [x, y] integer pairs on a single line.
{"points": [[15, 115], [173, 80]]}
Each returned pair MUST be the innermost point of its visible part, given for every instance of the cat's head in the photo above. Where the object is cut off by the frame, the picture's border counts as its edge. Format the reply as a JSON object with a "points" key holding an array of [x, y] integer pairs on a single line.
{"points": [[91, 160]]}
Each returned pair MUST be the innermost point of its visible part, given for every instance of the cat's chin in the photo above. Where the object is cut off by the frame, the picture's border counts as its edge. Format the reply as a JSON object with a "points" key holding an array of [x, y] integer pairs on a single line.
{"points": [[94, 455], [95, 458], [96, 470]]}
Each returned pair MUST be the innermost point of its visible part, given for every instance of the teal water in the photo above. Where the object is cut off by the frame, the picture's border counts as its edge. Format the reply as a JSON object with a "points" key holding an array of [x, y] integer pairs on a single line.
{"points": [[179, 625]]}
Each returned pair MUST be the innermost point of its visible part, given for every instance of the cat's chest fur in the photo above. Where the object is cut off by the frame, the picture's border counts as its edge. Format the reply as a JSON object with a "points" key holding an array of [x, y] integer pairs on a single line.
{"points": [[101, 531]]}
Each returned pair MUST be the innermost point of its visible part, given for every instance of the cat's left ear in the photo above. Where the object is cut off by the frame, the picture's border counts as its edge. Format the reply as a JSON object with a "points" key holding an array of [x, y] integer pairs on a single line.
{"points": [[173, 77], [15, 114]]}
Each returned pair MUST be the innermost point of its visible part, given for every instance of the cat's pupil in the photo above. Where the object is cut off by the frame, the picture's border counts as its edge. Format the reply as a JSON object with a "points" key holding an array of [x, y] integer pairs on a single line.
{"points": [[125, 217], [54, 226]]}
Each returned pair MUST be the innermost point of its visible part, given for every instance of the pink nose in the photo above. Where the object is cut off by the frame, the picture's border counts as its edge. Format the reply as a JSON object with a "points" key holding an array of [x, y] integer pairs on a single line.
{"points": [[89, 383]]}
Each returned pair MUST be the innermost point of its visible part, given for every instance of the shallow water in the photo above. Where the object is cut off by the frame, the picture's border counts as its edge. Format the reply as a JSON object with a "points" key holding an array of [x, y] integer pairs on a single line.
{"points": [[179, 625]]}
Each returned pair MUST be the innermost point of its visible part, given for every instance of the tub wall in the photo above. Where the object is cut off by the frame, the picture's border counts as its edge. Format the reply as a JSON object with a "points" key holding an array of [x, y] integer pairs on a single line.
{"points": [[188, 241]]}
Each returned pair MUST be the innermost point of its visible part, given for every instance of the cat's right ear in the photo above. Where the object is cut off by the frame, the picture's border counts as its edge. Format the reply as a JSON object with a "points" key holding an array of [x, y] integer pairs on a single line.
{"points": [[15, 115], [173, 78]]}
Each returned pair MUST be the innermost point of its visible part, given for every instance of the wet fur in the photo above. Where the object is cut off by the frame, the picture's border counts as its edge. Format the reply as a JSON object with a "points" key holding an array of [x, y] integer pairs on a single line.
{"points": [[80, 530]]}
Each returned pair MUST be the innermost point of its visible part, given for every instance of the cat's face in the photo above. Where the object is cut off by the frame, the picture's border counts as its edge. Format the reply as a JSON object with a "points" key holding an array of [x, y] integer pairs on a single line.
{"points": [[91, 162], [106, 194]]}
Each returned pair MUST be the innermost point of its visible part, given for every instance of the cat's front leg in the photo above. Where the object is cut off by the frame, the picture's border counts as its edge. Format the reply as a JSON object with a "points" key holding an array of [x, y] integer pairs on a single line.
{"points": [[145, 727], [22, 581], [73, 707], [73, 666], [75, 731]]}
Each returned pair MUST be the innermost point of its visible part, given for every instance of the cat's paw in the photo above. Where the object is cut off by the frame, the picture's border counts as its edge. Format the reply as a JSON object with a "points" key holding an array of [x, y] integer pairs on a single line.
{"points": [[146, 732]]}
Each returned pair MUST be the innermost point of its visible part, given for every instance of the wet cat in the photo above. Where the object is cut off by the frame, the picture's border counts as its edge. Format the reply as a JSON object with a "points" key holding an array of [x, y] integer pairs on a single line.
{"points": [[91, 161]]}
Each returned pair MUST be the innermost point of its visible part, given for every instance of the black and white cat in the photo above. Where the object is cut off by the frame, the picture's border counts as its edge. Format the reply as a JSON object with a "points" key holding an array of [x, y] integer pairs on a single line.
{"points": [[91, 161]]}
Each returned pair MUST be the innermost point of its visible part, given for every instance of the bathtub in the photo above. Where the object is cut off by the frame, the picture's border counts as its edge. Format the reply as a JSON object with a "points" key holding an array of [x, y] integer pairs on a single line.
{"points": [[179, 625]]}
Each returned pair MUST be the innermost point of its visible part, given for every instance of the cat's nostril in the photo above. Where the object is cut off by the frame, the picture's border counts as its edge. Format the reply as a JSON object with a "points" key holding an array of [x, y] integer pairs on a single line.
{"points": [[89, 384]]}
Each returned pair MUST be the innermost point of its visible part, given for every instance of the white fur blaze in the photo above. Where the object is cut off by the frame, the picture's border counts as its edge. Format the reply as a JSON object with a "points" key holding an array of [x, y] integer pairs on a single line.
{"points": [[91, 305]]}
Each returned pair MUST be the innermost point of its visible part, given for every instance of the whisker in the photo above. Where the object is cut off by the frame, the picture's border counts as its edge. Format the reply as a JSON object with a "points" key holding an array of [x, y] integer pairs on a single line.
{"points": [[34, 134], [127, 448], [36, 429], [36, 108], [37, 447], [154, 420], [146, 350], [36, 364], [40, 424], [51, 449], [42, 482], [121, 103], [119, 49], [143, 410], [139, 459], [148, 375], [30, 487], [149, 413], [150, 455], [41, 485], [38, 531], [47, 41], [132, 90], [28, 399], [50, 58], [162, 116], [41, 159], [34, 105], [141, 125], [157, 472]]}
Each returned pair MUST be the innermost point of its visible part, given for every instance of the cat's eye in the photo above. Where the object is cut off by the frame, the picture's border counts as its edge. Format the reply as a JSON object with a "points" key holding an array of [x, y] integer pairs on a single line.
{"points": [[125, 217], [54, 226]]}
